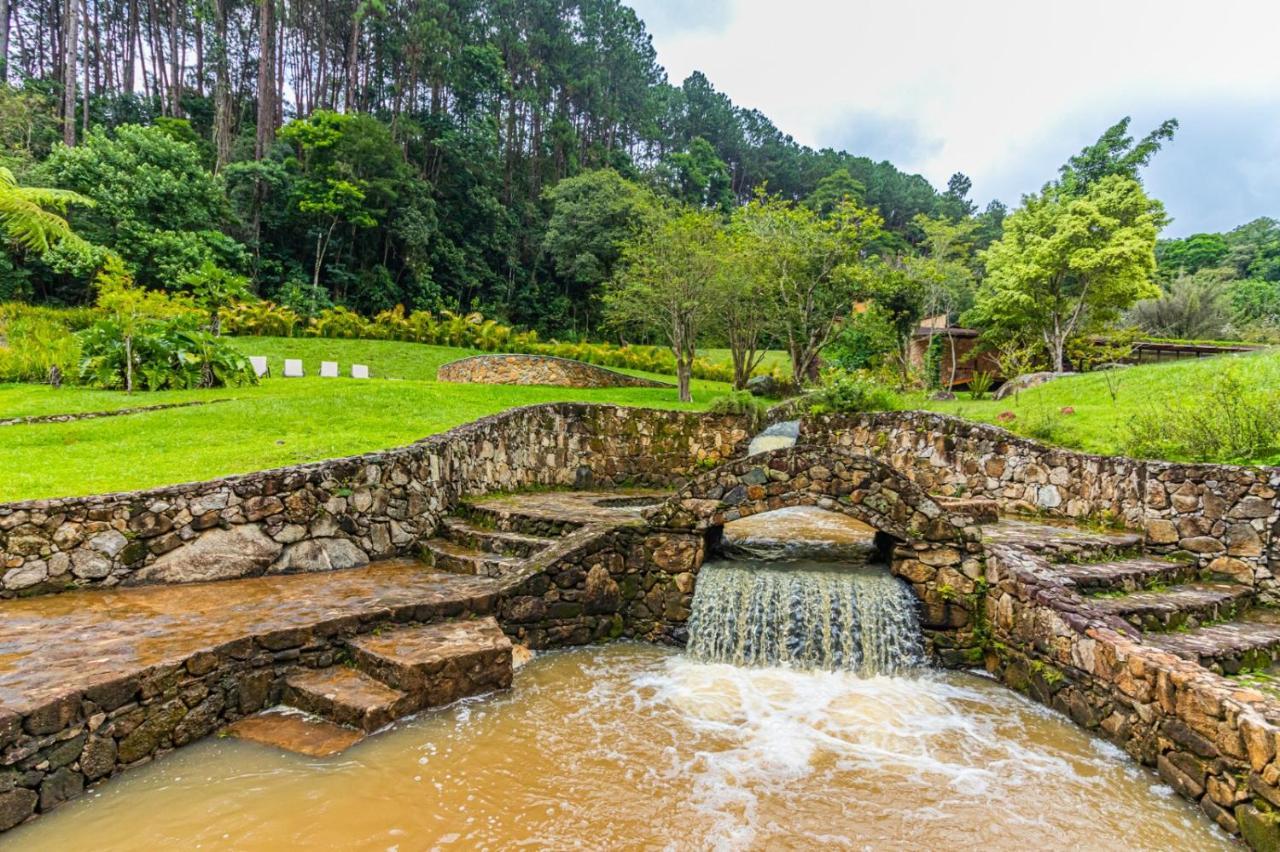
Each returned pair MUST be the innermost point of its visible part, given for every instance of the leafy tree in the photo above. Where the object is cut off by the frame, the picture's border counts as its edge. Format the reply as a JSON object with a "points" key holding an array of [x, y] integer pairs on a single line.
{"points": [[131, 311], [1192, 254], [213, 289], [1114, 154], [1066, 262], [592, 216], [698, 177], [156, 204], [832, 190], [812, 266], [665, 285], [746, 303]]}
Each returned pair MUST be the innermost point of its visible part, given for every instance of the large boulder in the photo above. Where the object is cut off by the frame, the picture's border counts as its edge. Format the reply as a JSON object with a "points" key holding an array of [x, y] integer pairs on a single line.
{"points": [[243, 550], [320, 554], [764, 386], [1025, 381]]}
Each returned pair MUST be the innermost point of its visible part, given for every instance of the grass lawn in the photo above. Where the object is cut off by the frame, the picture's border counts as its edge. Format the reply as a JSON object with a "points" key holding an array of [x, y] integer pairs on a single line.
{"points": [[773, 359], [279, 422], [1100, 425]]}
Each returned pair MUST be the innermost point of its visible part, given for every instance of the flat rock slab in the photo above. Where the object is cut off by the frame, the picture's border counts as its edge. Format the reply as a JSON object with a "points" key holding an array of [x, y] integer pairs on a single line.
{"points": [[296, 732], [56, 644], [438, 663], [1040, 536], [1126, 574], [576, 507], [456, 558], [346, 696], [1219, 641]]}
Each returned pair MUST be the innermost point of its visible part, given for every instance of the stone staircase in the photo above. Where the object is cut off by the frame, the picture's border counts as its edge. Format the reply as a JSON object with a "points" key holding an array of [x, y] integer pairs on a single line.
{"points": [[393, 673], [1211, 620], [1215, 621], [485, 545]]}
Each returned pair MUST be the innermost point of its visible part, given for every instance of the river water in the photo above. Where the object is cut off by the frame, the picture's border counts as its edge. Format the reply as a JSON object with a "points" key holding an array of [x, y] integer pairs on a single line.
{"points": [[633, 746]]}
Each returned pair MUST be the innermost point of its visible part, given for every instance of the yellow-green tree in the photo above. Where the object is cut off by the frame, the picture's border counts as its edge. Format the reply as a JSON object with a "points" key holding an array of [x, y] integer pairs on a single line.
{"points": [[1069, 262]]}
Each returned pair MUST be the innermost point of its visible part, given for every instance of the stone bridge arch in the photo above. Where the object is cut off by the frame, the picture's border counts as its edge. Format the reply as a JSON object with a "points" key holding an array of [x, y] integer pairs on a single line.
{"points": [[937, 549]]}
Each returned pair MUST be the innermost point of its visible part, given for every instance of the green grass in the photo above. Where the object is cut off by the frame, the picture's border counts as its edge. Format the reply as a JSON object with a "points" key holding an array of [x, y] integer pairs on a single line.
{"points": [[1099, 425], [279, 422], [773, 359]]}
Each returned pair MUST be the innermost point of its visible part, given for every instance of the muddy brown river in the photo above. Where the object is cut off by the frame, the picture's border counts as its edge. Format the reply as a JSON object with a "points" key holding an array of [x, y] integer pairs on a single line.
{"points": [[636, 747]]}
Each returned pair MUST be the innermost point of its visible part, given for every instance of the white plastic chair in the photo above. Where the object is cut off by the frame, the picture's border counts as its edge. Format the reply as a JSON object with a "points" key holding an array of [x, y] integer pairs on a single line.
{"points": [[293, 368], [328, 369], [260, 368], [359, 371]]}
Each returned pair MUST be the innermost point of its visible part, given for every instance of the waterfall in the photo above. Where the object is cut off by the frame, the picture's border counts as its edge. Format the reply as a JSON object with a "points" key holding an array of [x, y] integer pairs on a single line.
{"points": [[775, 437], [806, 615]]}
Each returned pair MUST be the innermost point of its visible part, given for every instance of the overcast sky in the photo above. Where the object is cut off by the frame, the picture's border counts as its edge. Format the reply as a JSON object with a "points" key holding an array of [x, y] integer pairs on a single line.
{"points": [[1006, 90]]}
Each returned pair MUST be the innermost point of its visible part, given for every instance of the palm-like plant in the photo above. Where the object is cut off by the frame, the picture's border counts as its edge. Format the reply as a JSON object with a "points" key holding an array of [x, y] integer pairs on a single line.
{"points": [[29, 215]]}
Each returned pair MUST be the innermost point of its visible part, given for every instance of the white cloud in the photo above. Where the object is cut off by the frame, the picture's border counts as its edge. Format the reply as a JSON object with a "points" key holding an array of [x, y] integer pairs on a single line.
{"points": [[1005, 90]]}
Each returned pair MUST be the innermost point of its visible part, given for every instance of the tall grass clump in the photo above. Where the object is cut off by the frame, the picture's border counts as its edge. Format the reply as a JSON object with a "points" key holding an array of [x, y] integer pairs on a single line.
{"points": [[1232, 420], [34, 340]]}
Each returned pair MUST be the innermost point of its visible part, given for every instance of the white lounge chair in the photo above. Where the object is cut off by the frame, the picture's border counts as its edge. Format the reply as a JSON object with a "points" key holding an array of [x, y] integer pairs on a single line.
{"points": [[293, 368], [359, 371], [260, 368], [328, 369]]}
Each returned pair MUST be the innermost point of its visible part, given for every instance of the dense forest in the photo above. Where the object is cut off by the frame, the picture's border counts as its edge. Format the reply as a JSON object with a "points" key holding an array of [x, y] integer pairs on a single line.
{"points": [[372, 153]]}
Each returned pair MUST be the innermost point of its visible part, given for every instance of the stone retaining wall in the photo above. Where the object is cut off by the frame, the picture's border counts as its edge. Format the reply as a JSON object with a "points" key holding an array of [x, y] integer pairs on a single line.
{"points": [[1212, 740], [538, 370], [344, 512], [1227, 517]]}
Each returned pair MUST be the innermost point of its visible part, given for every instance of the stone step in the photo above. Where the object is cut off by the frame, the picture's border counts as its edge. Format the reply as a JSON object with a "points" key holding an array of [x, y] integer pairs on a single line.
{"points": [[445, 555], [346, 696], [506, 516], [502, 542], [1229, 648], [294, 731], [1127, 575], [1188, 605], [1061, 542], [438, 663]]}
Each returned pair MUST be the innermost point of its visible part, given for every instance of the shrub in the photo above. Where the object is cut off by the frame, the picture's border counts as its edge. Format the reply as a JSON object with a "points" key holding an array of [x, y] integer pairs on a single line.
{"points": [[33, 340], [1231, 421], [851, 393], [741, 404], [980, 384], [167, 355], [261, 319]]}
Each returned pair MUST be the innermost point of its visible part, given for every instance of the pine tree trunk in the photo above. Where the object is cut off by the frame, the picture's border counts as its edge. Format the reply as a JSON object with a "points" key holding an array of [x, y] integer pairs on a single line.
{"points": [[70, 44], [222, 104], [4, 40], [266, 79]]}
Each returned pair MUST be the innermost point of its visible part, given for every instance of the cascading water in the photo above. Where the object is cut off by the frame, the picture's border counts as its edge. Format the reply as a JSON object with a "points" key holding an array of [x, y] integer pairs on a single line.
{"points": [[775, 437], [808, 615]]}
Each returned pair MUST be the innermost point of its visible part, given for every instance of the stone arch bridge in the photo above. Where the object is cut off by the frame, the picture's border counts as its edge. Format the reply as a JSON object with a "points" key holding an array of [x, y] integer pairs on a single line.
{"points": [[935, 547]]}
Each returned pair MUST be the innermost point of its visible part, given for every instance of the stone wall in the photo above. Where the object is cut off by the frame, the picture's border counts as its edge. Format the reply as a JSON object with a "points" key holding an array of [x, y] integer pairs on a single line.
{"points": [[344, 512], [1212, 740], [538, 370], [1227, 517]]}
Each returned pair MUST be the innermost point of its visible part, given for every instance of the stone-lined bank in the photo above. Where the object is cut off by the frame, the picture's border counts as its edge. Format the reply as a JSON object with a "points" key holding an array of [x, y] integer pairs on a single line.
{"points": [[538, 370], [345, 512], [1226, 517]]}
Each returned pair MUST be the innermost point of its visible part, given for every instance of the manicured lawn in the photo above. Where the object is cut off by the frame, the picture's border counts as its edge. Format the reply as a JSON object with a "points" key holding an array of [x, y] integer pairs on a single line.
{"points": [[1099, 424], [279, 422]]}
